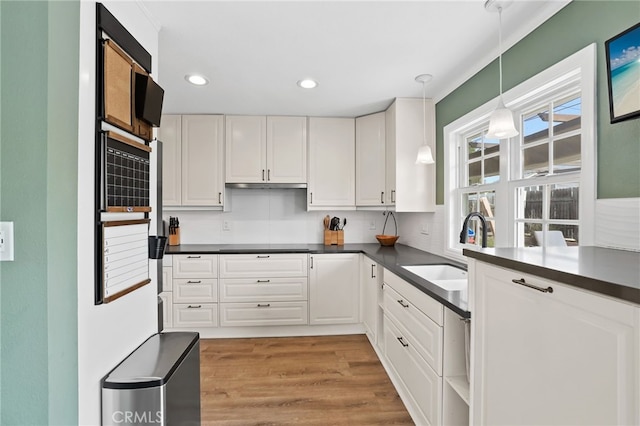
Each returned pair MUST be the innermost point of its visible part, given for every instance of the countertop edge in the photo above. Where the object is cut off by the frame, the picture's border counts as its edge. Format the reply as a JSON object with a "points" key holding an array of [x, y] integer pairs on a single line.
{"points": [[618, 291]]}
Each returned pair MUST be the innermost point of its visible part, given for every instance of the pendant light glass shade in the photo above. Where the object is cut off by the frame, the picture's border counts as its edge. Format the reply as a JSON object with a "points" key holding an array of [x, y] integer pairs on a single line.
{"points": [[424, 155], [501, 123]]}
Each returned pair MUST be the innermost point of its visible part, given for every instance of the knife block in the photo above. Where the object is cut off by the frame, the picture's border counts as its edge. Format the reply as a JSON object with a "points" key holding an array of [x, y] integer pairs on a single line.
{"points": [[332, 238], [174, 239]]}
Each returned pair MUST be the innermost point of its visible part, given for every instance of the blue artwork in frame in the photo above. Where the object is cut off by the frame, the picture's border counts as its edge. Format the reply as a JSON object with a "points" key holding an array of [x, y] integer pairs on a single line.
{"points": [[623, 72]]}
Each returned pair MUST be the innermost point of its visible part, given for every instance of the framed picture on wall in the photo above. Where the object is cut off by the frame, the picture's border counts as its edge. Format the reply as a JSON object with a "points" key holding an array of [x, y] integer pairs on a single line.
{"points": [[623, 74]]}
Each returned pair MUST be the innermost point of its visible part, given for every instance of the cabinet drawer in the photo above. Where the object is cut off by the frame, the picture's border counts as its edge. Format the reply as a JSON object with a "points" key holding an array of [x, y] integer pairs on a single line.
{"points": [[271, 313], [429, 306], [422, 383], [195, 290], [263, 290], [195, 266], [426, 334], [195, 315], [263, 265]]}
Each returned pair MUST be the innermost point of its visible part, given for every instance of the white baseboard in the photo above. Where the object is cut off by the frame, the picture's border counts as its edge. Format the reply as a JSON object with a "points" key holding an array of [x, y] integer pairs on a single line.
{"points": [[275, 331]]}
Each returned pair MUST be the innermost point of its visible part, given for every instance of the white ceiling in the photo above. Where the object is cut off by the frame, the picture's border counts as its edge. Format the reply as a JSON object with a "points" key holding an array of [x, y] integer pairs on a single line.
{"points": [[362, 53]]}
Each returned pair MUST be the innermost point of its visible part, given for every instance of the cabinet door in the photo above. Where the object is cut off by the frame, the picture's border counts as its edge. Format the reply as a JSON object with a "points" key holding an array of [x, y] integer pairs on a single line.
{"points": [[415, 183], [390, 155], [195, 315], [334, 289], [331, 162], [202, 160], [370, 279], [170, 134], [370, 160], [287, 149], [167, 278], [566, 357], [246, 149], [195, 266]]}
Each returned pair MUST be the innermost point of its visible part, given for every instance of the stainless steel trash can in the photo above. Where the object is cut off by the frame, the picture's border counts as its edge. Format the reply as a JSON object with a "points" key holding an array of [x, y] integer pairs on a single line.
{"points": [[157, 384]]}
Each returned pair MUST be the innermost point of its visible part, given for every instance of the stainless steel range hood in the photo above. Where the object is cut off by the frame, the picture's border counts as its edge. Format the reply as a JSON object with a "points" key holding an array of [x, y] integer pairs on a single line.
{"points": [[266, 185]]}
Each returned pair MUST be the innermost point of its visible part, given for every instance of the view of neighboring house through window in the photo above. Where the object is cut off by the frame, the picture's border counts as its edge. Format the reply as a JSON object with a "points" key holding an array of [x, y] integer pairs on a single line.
{"points": [[537, 188]]}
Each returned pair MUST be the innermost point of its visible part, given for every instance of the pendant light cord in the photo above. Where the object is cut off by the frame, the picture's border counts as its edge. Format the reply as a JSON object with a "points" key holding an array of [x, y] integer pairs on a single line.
{"points": [[424, 114], [500, 45]]}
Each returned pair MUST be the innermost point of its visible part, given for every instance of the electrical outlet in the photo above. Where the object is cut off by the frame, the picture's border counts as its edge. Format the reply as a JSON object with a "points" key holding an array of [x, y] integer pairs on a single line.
{"points": [[372, 225], [226, 226], [425, 229], [6, 241]]}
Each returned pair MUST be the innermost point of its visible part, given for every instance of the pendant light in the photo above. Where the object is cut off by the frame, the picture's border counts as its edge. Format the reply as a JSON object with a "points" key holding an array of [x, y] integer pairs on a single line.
{"points": [[501, 123], [425, 156]]}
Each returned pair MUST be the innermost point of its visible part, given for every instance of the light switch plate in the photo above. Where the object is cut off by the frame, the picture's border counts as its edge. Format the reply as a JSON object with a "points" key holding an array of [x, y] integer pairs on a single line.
{"points": [[6, 241]]}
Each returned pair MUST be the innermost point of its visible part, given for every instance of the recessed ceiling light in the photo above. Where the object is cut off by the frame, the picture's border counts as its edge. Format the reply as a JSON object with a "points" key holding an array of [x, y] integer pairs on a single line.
{"points": [[196, 79], [307, 83]]}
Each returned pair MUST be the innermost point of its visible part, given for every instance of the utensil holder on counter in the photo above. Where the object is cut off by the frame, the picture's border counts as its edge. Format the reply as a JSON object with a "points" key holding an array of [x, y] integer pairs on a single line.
{"points": [[332, 238], [156, 246]]}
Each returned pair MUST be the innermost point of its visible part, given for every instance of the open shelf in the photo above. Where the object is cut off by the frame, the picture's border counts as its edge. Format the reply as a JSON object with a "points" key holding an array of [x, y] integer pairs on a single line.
{"points": [[460, 385]]}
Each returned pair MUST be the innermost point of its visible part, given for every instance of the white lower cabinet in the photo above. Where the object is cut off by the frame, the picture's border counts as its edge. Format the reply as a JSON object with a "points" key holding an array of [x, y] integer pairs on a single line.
{"points": [[267, 290], [264, 313], [371, 281], [195, 315], [195, 291], [334, 288], [167, 309], [558, 357], [422, 385]]}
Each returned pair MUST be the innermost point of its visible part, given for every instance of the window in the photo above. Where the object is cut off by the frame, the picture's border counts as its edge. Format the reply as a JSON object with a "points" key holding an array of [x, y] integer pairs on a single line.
{"points": [[538, 188]]}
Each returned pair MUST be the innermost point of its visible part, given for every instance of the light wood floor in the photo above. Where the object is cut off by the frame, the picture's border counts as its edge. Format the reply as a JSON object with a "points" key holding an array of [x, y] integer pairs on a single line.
{"points": [[330, 380]]}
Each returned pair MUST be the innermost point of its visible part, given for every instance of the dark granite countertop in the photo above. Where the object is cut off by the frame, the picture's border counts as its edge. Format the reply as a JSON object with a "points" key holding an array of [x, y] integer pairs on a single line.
{"points": [[606, 271], [389, 257]]}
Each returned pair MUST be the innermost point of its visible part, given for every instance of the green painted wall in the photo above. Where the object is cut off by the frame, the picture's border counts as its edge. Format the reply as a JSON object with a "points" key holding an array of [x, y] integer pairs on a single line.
{"points": [[38, 192], [577, 25]]}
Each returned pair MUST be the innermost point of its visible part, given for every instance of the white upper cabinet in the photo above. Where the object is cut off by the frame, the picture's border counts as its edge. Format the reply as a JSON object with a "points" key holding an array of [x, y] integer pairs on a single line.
{"points": [[192, 173], [202, 153], [287, 149], [390, 155], [266, 149], [246, 149], [370, 160], [170, 134], [411, 185], [331, 163]]}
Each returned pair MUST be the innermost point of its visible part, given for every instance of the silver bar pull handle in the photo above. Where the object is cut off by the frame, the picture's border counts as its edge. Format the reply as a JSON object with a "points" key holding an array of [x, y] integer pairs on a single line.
{"points": [[194, 282], [393, 195], [263, 281], [402, 342], [373, 267], [265, 305], [263, 257], [521, 281], [311, 195], [263, 175], [194, 306], [219, 197], [311, 267], [194, 257], [268, 174], [403, 304], [382, 197]]}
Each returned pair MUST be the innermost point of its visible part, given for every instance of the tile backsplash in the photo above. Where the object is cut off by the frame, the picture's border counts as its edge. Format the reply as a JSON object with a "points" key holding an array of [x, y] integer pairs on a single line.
{"points": [[271, 216]]}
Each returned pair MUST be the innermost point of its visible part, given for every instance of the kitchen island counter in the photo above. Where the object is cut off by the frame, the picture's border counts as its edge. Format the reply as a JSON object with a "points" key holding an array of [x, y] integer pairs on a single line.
{"points": [[391, 258], [602, 270]]}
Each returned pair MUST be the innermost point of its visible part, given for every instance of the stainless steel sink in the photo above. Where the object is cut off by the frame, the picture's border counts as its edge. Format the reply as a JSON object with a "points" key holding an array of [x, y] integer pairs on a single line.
{"points": [[446, 277]]}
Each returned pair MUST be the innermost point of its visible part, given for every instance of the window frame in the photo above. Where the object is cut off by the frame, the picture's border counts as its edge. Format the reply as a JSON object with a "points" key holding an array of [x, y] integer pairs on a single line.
{"points": [[577, 74]]}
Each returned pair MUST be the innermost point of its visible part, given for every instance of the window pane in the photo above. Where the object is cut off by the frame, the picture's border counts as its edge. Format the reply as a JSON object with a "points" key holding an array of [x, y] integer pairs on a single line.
{"points": [[564, 202], [566, 155], [558, 233], [566, 115], [529, 233], [469, 204], [535, 126], [487, 203], [536, 160], [475, 173], [491, 170], [474, 146], [530, 202], [491, 146]]}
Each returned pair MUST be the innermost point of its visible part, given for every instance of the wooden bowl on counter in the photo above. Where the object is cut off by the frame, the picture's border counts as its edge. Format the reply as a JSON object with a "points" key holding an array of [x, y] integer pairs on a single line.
{"points": [[387, 240]]}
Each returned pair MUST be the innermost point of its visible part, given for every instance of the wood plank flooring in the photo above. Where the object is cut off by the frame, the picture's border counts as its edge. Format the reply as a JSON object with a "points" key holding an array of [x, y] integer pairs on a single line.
{"points": [[327, 380]]}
